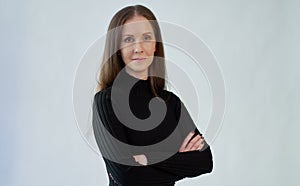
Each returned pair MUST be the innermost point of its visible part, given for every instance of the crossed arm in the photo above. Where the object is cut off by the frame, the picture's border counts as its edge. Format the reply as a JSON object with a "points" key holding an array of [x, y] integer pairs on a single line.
{"points": [[192, 142], [192, 159]]}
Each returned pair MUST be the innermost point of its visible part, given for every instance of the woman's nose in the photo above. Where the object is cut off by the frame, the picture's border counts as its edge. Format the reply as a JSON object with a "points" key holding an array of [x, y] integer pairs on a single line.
{"points": [[138, 47]]}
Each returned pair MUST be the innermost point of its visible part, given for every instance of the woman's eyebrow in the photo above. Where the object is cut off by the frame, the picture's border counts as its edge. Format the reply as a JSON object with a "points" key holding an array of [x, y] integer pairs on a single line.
{"points": [[133, 35], [127, 35], [147, 33]]}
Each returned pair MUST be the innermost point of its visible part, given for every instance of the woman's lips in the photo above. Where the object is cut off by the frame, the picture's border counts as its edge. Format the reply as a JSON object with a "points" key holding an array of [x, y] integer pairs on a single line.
{"points": [[138, 59]]}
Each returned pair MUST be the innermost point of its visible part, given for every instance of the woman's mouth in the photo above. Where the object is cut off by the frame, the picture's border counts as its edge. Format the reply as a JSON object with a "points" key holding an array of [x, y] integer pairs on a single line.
{"points": [[138, 59]]}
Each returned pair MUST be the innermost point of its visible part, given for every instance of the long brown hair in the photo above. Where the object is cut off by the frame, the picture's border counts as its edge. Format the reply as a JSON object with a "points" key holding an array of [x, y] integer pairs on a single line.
{"points": [[112, 62]]}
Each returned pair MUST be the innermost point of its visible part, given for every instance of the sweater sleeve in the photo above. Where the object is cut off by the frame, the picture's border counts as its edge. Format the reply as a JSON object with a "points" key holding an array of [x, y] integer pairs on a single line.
{"points": [[104, 120], [109, 132], [187, 164], [192, 163], [107, 128]]}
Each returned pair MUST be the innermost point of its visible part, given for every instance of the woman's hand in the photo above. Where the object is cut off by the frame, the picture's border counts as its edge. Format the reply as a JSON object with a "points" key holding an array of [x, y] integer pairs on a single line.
{"points": [[141, 159], [191, 144]]}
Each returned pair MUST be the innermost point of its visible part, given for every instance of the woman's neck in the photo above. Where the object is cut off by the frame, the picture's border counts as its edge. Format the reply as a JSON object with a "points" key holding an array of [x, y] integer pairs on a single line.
{"points": [[141, 76]]}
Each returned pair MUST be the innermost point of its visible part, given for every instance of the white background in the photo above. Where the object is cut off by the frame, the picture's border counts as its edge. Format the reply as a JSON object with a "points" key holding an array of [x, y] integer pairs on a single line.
{"points": [[257, 47]]}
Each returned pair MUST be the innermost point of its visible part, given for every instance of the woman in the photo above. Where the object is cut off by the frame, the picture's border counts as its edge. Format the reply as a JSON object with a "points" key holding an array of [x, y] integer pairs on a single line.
{"points": [[133, 107]]}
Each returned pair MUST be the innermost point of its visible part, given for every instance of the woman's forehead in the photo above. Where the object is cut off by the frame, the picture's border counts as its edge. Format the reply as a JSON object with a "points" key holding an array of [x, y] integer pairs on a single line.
{"points": [[137, 25]]}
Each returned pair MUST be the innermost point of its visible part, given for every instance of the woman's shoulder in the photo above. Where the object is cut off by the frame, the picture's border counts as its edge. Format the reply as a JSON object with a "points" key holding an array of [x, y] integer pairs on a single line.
{"points": [[104, 93], [168, 92], [169, 95]]}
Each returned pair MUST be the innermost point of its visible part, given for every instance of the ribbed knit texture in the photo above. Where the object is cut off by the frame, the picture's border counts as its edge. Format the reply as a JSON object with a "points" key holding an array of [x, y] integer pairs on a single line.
{"points": [[164, 173]]}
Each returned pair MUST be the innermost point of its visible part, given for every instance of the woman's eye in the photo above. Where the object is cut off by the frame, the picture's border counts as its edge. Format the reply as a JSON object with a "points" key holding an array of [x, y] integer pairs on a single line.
{"points": [[147, 38], [128, 40]]}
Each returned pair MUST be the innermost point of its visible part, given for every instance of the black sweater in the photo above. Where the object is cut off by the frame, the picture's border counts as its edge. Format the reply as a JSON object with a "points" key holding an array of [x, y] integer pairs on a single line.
{"points": [[165, 164]]}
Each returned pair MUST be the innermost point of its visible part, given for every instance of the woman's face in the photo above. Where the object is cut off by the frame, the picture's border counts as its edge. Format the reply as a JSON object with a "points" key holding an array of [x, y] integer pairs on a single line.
{"points": [[137, 46]]}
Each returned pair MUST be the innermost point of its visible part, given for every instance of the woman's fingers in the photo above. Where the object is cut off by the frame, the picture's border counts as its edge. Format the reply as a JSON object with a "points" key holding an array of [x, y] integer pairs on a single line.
{"points": [[186, 141], [141, 159], [191, 144], [198, 145]]}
